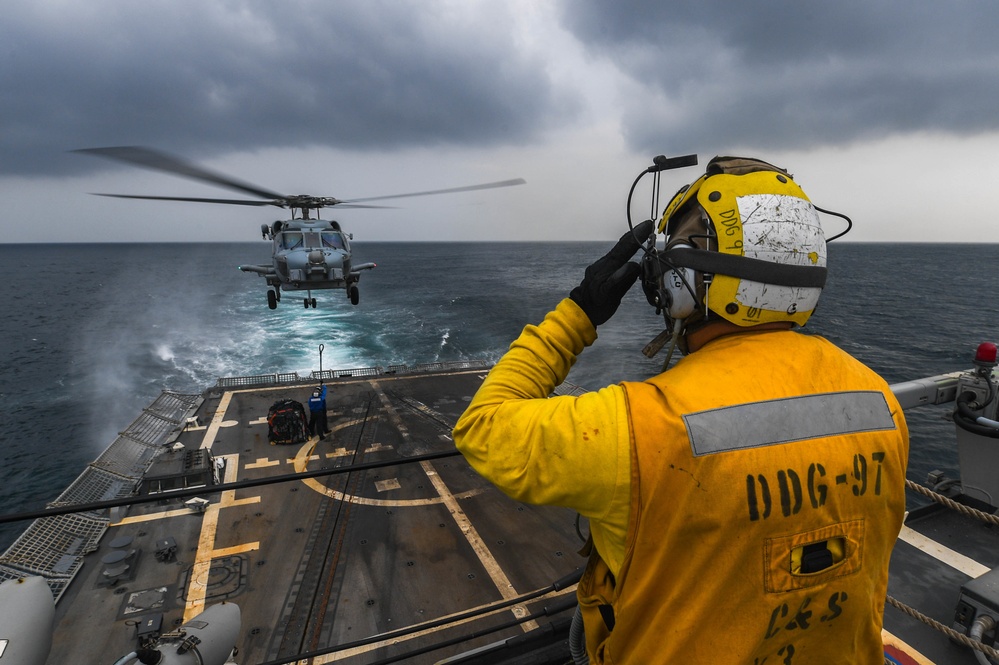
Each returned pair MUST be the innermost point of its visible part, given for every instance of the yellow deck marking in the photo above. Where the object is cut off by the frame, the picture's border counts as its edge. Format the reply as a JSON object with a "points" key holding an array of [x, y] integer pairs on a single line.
{"points": [[942, 553], [197, 587], [217, 420], [154, 516], [261, 463], [179, 512], [301, 464], [235, 549], [339, 452], [890, 640]]}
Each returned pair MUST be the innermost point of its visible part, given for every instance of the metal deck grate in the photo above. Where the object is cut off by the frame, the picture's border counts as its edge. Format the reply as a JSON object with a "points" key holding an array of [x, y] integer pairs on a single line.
{"points": [[53, 547], [172, 406], [150, 428], [95, 485], [126, 457]]}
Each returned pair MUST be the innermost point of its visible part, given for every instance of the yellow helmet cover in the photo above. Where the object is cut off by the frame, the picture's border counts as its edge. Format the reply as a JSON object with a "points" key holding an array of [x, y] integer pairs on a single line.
{"points": [[762, 215]]}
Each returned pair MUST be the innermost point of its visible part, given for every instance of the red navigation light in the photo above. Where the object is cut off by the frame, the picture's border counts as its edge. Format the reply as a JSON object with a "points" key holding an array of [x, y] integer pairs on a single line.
{"points": [[986, 354]]}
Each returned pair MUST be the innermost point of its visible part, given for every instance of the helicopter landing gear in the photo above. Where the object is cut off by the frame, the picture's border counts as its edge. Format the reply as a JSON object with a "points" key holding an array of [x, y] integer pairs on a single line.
{"points": [[272, 299], [353, 294], [310, 302]]}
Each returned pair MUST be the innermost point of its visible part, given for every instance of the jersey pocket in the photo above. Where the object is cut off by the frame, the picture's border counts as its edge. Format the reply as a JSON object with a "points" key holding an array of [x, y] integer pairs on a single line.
{"points": [[813, 557]]}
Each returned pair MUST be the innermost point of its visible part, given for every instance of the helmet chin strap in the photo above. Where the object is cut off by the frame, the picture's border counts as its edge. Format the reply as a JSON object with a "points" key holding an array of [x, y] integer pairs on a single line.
{"points": [[672, 333], [678, 328]]}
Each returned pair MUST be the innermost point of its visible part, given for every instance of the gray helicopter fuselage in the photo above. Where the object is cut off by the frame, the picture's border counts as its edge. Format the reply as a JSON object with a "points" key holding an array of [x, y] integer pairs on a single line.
{"points": [[307, 255], [310, 254]]}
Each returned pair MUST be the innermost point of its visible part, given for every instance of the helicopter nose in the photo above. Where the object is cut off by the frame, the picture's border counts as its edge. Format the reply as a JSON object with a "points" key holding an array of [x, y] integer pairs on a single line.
{"points": [[316, 257]]}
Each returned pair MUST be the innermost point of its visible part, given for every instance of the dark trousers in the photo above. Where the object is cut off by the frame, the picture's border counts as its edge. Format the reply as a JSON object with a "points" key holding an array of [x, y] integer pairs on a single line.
{"points": [[317, 423]]}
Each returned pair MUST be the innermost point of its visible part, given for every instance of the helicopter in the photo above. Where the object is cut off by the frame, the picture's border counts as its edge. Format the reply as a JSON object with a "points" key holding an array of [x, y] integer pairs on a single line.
{"points": [[308, 253]]}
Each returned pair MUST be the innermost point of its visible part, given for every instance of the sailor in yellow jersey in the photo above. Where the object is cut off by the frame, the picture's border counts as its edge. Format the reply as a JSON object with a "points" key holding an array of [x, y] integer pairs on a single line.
{"points": [[743, 503]]}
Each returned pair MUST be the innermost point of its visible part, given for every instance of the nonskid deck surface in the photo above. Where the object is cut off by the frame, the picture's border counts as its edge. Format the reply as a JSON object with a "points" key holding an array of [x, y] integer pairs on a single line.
{"points": [[326, 561], [342, 559], [937, 552]]}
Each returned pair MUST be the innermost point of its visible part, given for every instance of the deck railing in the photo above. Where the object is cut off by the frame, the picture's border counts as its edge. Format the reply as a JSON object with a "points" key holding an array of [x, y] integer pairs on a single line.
{"points": [[266, 380]]}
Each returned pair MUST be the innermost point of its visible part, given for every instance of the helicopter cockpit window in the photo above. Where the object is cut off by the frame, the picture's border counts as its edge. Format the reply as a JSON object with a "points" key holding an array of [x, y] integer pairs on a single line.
{"points": [[291, 239], [333, 240]]}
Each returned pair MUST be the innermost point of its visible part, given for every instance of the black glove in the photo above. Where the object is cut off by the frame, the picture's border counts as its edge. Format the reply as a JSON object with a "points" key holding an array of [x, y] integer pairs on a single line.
{"points": [[609, 278]]}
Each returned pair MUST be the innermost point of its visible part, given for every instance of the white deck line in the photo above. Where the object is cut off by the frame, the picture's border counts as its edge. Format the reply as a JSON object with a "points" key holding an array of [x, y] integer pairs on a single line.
{"points": [[942, 553]]}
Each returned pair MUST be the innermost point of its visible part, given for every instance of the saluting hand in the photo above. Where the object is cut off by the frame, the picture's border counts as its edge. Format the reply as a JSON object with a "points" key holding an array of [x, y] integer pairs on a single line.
{"points": [[609, 277]]}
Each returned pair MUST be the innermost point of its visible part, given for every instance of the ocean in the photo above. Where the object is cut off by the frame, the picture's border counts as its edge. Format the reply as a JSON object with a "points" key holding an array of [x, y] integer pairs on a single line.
{"points": [[90, 334]]}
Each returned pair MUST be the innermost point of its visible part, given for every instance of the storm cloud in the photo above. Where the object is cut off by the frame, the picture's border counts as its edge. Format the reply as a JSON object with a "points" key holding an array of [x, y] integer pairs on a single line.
{"points": [[796, 75], [875, 103], [202, 78]]}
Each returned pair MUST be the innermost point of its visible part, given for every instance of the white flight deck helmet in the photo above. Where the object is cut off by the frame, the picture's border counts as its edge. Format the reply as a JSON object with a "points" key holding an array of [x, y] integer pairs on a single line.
{"points": [[743, 243]]}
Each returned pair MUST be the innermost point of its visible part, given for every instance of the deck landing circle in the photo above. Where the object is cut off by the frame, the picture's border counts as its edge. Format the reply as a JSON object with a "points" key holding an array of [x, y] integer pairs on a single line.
{"points": [[302, 462]]}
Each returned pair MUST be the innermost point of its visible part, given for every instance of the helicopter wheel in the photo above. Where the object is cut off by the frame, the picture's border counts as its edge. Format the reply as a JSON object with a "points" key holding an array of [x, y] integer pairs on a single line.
{"points": [[272, 300], [313, 303], [306, 303], [355, 295]]}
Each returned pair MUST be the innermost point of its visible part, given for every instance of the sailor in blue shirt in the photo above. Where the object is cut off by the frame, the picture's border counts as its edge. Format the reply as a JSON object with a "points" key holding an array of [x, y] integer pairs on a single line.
{"points": [[317, 412]]}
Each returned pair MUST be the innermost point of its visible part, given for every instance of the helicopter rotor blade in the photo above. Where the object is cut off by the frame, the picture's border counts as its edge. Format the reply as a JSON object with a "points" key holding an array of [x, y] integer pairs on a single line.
{"points": [[159, 161], [451, 190], [238, 202]]}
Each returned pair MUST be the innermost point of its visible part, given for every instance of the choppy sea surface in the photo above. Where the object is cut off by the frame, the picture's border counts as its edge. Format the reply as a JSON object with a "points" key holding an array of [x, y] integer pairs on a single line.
{"points": [[91, 334]]}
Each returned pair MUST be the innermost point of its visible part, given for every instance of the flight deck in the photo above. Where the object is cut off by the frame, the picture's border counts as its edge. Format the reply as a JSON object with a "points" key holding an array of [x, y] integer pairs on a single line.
{"points": [[320, 562], [378, 543]]}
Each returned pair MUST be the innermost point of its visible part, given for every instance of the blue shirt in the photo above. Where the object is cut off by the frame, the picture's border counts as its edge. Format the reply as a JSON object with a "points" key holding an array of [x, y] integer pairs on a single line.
{"points": [[318, 403]]}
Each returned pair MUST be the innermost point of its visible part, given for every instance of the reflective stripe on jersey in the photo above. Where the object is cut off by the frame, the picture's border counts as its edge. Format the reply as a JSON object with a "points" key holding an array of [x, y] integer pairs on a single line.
{"points": [[772, 422]]}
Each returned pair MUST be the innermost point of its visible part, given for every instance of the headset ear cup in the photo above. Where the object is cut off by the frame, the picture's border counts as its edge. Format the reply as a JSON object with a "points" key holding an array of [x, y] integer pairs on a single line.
{"points": [[668, 289], [681, 286], [678, 284]]}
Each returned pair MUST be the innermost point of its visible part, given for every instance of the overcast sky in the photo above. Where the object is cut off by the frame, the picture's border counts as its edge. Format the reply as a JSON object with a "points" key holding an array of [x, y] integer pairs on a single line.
{"points": [[887, 111]]}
